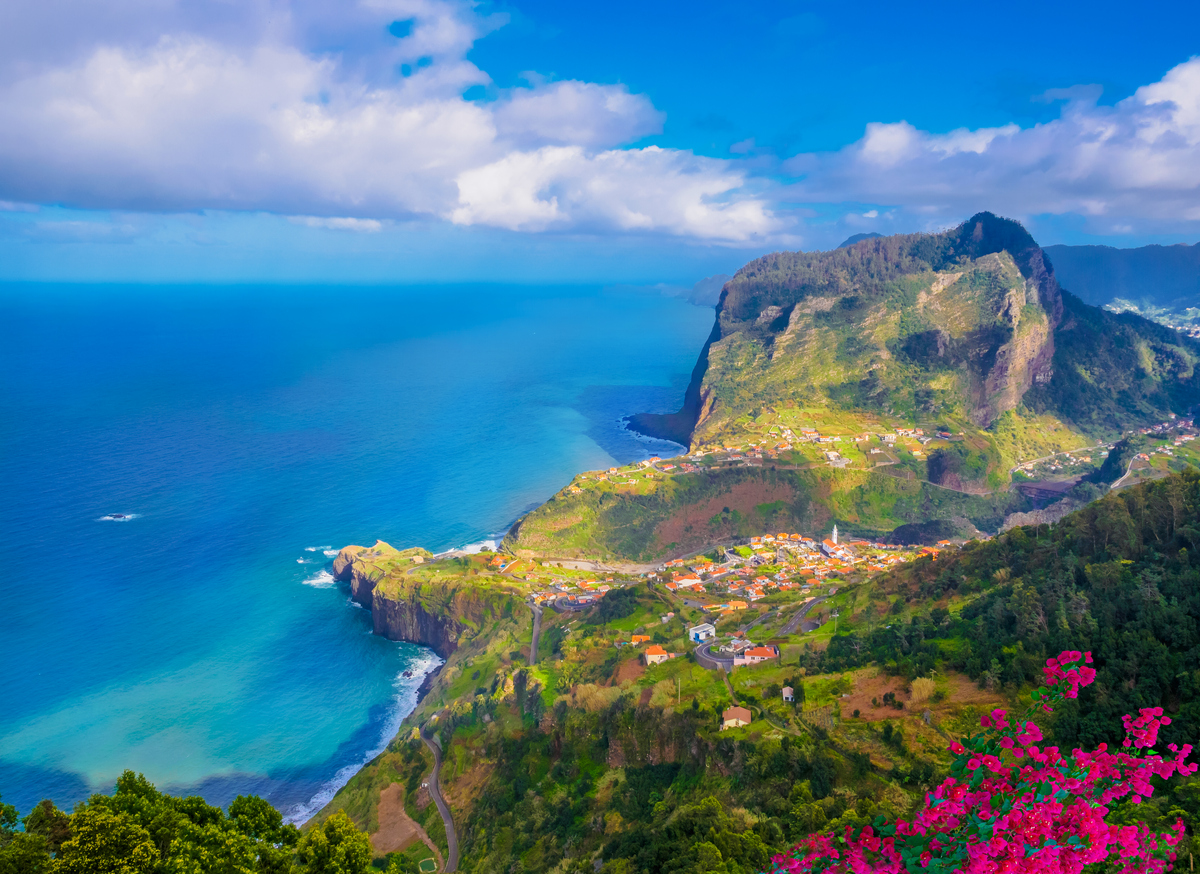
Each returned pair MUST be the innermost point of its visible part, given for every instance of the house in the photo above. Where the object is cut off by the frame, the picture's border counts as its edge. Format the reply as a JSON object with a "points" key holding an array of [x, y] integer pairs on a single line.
{"points": [[639, 639], [755, 655], [655, 655], [735, 716], [702, 632], [789, 694]]}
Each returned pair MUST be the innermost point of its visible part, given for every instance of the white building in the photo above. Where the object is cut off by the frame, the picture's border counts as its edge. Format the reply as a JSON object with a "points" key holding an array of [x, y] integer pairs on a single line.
{"points": [[703, 632]]}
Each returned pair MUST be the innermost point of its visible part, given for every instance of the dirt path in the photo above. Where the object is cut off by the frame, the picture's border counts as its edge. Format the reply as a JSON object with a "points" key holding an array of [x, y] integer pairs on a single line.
{"points": [[435, 790], [396, 828]]}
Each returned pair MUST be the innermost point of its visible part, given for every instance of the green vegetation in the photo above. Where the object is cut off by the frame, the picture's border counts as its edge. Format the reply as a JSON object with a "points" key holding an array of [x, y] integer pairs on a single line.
{"points": [[139, 830], [693, 511], [966, 333], [593, 758]]}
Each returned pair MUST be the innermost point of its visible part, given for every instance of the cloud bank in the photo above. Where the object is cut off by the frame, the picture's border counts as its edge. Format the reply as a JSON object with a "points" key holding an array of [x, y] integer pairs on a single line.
{"points": [[1137, 162], [191, 120], [352, 116]]}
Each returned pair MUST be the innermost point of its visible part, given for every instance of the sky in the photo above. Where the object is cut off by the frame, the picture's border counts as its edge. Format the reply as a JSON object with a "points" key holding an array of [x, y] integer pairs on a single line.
{"points": [[425, 140]]}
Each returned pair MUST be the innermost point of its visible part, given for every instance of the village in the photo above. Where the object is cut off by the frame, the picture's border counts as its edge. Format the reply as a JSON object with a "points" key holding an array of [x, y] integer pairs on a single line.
{"points": [[731, 608], [863, 447]]}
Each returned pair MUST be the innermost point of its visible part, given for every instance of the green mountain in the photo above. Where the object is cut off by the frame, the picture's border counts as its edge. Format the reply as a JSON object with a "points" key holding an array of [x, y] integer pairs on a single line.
{"points": [[965, 336], [958, 326]]}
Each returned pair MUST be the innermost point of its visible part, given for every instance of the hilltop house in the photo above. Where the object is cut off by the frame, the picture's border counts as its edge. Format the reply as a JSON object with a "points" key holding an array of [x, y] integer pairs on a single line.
{"points": [[639, 639], [789, 694], [702, 632], [655, 655], [735, 716]]}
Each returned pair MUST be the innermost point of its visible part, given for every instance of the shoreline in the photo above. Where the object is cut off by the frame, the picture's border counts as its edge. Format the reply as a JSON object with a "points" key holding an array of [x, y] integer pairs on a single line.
{"points": [[303, 812]]}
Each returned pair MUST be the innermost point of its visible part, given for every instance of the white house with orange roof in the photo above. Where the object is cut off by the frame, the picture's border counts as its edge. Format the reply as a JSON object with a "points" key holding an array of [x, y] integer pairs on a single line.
{"points": [[655, 655]]}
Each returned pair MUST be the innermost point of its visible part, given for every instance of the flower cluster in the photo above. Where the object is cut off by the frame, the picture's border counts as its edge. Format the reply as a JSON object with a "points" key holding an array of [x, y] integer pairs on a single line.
{"points": [[1012, 805]]}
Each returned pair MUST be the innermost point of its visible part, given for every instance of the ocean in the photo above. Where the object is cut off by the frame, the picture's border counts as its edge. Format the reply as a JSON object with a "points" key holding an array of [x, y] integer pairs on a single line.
{"points": [[247, 433]]}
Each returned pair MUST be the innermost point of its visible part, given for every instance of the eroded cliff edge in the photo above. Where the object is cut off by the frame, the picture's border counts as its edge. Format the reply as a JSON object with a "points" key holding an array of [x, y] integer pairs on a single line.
{"points": [[414, 600]]}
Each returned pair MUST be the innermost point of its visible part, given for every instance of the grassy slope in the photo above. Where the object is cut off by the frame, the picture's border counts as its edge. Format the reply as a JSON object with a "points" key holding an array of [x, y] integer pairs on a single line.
{"points": [[692, 511]]}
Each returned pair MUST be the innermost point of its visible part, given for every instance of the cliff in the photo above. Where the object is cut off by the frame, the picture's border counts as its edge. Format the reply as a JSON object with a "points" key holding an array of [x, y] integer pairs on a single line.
{"points": [[958, 325], [412, 598]]}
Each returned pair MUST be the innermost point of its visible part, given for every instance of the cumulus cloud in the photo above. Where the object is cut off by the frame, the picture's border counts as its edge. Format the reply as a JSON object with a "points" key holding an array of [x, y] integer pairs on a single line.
{"points": [[271, 121], [635, 190], [1138, 160]]}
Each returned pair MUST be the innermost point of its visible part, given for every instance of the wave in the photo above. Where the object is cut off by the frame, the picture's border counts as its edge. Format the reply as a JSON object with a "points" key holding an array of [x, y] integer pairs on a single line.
{"points": [[404, 702], [323, 580], [478, 546], [119, 517], [330, 552], [304, 561], [317, 548]]}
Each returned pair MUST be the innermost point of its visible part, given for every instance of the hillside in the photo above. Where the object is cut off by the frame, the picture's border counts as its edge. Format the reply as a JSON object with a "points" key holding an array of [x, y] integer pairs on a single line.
{"points": [[936, 363], [955, 328], [583, 757]]}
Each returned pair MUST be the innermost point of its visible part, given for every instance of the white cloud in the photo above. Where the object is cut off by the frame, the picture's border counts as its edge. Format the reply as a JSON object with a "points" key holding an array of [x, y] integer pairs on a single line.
{"points": [[1137, 161], [633, 190], [368, 226], [191, 120]]}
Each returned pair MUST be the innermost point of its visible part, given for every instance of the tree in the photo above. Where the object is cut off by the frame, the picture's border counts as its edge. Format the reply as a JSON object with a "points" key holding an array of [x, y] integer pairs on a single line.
{"points": [[336, 846], [103, 842], [49, 822]]}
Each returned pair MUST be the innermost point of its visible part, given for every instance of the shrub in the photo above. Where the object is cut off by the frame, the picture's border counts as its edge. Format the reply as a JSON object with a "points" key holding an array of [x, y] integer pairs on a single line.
{"points": [[1010, 804], [922, 689]]}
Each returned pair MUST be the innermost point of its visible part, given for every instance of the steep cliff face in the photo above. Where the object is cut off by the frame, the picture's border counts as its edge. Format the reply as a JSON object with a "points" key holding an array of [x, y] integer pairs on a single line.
{"points": [[419, 602]]}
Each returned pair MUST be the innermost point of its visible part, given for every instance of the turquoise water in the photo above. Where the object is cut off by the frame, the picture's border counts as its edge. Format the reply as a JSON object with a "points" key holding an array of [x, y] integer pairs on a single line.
{"points": [[249, 432]]}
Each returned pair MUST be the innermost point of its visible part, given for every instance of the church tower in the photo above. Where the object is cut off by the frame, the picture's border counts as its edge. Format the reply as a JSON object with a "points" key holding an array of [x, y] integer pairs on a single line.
{"points": [[834, 537]]}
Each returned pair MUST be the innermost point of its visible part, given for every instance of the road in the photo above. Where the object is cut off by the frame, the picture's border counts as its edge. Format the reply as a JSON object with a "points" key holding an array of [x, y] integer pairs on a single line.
{"points": [[1055, 455], [435, 791], [537, 628], [708, 659], [794, 622]]}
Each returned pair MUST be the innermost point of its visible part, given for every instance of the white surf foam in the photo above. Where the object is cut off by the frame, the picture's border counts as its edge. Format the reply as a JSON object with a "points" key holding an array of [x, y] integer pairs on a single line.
{"points": [[304, 561], [471, 548], [125, 517], [404, 702], [323, 580], [316, 548], [330, 552]]}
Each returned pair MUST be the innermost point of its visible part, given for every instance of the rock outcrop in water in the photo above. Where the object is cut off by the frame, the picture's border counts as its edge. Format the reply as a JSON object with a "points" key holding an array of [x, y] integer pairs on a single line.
{"points": [[409, 601]]}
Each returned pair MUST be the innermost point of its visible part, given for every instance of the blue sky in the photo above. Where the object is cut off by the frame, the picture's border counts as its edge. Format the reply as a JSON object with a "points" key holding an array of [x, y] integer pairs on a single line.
{"points": [[417, 140]]}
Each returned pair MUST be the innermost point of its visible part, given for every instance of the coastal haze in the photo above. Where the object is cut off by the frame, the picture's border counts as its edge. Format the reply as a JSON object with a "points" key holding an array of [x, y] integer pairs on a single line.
{"points": [[245, 432]]}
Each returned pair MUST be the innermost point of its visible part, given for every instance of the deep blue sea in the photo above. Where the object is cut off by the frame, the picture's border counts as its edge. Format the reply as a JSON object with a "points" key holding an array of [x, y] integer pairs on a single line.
{"points": [[249, 432]]}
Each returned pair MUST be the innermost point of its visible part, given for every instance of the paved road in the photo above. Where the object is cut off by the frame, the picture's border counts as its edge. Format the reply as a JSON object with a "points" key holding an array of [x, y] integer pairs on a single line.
{"points": [[537, 628], [794, 623], [706, 658], [435, 791]]}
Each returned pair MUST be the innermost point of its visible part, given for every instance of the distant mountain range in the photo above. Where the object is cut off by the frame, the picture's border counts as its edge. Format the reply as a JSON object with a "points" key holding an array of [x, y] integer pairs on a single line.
{"points": [[1162, 277]]}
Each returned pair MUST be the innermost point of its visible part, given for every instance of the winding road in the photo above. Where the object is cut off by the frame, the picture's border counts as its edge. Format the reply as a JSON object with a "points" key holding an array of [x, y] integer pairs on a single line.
{"points": [[435, 791], [707, 658]]}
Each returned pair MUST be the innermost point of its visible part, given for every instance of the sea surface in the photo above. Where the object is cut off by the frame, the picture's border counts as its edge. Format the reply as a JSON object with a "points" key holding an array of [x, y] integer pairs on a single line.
{"points": [[247, 433]]}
